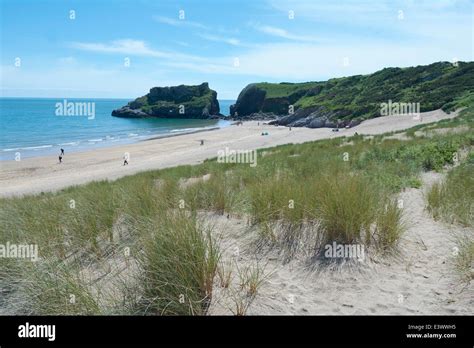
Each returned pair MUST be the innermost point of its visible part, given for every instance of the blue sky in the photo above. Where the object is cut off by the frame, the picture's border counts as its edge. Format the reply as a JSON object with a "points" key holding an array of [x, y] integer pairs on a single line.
{"points": [[228, 43]]}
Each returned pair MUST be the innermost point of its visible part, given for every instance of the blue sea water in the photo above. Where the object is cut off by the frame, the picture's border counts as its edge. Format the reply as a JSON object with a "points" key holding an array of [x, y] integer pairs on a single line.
{"points": [[32, 127]]}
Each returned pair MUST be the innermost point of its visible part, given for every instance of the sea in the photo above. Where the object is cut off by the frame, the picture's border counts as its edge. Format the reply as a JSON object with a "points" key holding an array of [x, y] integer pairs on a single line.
{"points": [[31, 127]]}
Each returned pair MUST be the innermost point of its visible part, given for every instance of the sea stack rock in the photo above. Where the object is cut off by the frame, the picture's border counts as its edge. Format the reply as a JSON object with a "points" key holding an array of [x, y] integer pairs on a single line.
{"points": [[198, 102]]}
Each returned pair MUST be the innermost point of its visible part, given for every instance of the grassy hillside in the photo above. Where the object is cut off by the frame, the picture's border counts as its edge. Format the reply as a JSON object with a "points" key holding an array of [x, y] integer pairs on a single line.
{"points": [[286, 89], [434, 86]]}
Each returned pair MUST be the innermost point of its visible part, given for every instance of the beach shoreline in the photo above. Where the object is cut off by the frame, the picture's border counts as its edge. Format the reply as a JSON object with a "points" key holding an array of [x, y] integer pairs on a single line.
{"points": [[44, 174], [177, 134], [76, 144]]}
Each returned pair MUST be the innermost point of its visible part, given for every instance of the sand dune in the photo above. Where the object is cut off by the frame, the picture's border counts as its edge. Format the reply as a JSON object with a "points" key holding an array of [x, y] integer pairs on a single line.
{"points": [[417, 281], [41, 174]]}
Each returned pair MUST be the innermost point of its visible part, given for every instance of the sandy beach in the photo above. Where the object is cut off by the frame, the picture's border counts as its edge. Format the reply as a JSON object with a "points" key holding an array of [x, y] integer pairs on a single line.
{"points": [[42, 174]]}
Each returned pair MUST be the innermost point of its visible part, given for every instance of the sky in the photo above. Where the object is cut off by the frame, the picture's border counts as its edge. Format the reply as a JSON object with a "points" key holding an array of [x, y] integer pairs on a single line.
{"points": [[122, 48]]}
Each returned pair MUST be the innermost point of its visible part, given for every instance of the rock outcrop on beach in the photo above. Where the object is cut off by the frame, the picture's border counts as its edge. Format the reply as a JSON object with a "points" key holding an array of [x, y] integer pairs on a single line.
{"points": [[174, 102], [315, 117], [347, 101]]}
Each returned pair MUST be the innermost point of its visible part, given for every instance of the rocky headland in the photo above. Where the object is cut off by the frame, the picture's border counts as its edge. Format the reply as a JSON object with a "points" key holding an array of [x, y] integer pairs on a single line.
{"points": [[197, 102], [347, 101]]}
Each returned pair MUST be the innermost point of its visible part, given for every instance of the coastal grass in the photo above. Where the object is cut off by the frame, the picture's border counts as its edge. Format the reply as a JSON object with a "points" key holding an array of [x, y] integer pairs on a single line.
{"points": [[251, 278], [218, 194], [464, 119], [52, 287], [464, 257], [179, 263], [343, 189], [224, 273], [389, 224], [453, 199]]}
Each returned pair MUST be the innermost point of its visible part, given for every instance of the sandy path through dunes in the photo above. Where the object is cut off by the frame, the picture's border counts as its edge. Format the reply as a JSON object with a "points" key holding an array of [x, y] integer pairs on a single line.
{"points": [[34, 175], [421, 280]]}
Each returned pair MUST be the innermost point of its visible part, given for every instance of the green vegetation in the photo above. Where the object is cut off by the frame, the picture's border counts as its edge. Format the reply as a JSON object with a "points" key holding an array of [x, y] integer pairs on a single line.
{"points": [[342, 189], [53, 287], [465, 257], [464, 121], [174, 102], [286, 89], [179, 264], [453, 199], [438, 85]]}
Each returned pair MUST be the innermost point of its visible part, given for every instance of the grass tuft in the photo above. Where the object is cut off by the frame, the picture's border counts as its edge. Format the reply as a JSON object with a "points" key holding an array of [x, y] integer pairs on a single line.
{"points": [[179, 263]]}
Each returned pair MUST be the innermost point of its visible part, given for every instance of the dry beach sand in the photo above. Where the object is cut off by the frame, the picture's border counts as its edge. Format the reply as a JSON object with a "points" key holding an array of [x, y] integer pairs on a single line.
{"points": [[34, 175]]}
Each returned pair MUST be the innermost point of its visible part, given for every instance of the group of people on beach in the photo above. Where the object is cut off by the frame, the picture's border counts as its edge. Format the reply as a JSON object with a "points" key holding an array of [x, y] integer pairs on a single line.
{"points": [[61, 155]]}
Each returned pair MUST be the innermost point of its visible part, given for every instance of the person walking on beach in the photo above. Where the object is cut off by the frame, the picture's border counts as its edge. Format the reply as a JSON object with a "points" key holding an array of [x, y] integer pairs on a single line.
{"points": [[60, 158], [62, 152], [202, 142], [125, 160]]}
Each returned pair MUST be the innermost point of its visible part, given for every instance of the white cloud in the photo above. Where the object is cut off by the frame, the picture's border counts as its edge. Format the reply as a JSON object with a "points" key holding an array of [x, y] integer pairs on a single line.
{"points": [[178, 22], [125, 46], [422, 19], [282, 33], [306, 61], [131, 48], [215, 38]]}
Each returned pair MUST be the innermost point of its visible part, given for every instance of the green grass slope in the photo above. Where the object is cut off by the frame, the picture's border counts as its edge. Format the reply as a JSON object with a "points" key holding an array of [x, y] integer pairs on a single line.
{"points": [[438, 85]]}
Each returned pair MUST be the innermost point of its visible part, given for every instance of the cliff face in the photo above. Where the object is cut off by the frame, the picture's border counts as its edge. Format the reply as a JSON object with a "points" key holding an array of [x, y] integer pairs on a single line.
{"points": [[349, 100], [174, 102], [269, 98]]}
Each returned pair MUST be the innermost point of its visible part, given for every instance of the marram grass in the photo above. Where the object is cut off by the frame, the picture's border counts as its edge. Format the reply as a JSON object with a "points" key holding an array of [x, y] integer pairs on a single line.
{"points": [[340, 190]]}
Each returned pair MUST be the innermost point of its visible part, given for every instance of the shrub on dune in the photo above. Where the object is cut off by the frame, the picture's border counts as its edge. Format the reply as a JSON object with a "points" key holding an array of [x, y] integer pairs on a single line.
{"points": [[348, 207], [179, 263], [389, 225]]}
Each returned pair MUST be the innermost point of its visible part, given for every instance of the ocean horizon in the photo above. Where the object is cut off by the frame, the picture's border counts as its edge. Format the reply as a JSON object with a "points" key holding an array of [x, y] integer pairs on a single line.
{"points": [[41, 126]]}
